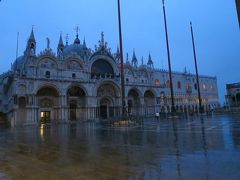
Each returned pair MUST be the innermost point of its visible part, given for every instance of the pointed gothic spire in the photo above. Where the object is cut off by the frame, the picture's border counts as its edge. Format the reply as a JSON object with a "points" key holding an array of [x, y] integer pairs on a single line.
{"points": [[142, 60], [32, 37], [150, 62], [134, 59], [60, 47], [118, 51], [31, 45], [127, 60], [117, 55], [60, 43], [84, 43]]}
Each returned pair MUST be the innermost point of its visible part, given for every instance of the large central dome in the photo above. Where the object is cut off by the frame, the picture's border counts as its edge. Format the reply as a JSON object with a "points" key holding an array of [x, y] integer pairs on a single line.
{"points": [[73, 49], [77, 49]]}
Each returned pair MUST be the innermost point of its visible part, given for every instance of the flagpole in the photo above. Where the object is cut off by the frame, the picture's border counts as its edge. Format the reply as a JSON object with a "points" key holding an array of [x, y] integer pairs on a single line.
{"points": [[196, 68], [121, 60], [173, 110]]}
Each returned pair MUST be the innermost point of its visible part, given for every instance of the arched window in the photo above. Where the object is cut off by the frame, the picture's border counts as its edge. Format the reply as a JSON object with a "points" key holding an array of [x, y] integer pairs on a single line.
{"points": [[32, 46], [102, 68], [179, 85], [195, 86], [157, 82]]}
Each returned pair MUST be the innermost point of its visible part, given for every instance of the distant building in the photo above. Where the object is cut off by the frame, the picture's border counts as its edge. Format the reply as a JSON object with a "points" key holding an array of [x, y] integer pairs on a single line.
{"points": [[238, 10], [233, 94], [78, 83]]}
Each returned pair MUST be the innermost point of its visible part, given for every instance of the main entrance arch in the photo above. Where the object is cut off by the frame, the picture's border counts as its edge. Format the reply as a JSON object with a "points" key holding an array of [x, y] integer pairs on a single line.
{"points": [[108, 100], [48, 103], [106, 108], [76, 98]]}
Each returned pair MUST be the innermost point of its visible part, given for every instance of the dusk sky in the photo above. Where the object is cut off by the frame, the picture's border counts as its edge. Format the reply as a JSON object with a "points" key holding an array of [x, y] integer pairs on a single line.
{"points": [[215, 24]]}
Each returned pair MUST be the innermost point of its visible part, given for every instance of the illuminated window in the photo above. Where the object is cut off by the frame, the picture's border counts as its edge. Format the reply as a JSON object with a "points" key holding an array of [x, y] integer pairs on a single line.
{"points": [[157, 82]]}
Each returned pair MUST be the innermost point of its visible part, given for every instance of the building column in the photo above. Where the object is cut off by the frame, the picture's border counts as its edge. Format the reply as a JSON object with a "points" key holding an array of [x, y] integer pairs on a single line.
{"points": [[64, 109]]}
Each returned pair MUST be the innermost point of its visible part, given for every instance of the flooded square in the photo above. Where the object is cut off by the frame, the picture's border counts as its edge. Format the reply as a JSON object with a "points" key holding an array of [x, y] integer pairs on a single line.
{"points": [[194, 148]]}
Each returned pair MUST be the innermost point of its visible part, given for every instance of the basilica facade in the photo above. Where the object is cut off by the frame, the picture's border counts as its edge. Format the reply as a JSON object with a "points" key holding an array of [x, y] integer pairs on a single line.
{"points": [[78, 83]]}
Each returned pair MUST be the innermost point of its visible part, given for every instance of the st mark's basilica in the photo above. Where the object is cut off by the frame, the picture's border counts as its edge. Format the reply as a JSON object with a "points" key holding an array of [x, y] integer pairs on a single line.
{"points": [[78, 83]]}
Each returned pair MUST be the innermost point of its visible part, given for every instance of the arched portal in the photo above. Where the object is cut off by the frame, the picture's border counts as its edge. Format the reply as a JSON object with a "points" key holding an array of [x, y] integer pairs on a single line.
{"points": [[76, 98], [149, 102], [48, 102], [133, 102], [106, 108], [108, 100]]}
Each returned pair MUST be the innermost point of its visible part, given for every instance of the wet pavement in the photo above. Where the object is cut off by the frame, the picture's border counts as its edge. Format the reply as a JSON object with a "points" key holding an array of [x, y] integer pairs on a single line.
{"points": [[194, 148]]}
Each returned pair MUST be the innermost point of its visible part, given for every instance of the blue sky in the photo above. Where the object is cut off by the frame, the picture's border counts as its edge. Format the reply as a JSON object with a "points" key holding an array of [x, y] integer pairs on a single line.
{"points": [[215, 25]]}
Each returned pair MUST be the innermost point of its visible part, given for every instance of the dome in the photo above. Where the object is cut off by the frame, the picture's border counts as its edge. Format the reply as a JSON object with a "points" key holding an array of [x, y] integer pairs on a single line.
{"points": [[18, 63], [73, 49]]}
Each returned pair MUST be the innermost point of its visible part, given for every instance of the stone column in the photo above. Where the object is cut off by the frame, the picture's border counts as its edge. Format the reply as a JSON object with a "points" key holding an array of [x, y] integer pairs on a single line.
{"points": [[64, 109]]}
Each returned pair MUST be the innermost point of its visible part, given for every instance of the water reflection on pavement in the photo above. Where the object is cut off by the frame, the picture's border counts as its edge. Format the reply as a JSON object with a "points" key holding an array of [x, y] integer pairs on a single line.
{"points": [[197, 148]]}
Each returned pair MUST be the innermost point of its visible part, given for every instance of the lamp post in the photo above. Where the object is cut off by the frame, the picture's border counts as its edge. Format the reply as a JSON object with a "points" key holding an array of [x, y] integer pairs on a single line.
{"points": [[196, 68], [121, 60], [173, 110]]}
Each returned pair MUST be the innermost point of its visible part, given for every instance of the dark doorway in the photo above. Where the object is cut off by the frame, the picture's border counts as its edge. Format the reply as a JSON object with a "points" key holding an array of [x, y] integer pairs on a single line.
{"points": [[45, 117], [73, 112], [130, 105], [103, 112]]}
